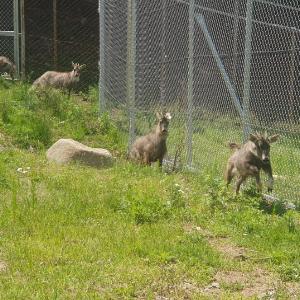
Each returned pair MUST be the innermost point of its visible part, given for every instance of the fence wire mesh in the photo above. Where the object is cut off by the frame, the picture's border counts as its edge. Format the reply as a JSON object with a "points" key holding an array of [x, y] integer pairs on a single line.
{"points": [[222, 68], [6, 29], [59, 32]]}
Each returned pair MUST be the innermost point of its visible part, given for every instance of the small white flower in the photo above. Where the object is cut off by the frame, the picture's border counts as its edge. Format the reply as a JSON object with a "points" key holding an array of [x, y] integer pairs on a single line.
{"points": [[23, 171], [290, 205]]}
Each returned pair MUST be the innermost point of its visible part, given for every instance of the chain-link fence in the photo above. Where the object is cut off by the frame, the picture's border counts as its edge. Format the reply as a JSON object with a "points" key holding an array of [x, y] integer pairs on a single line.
{"points": [[222, 68], [9, 39], [59, 32], [42, 35]]}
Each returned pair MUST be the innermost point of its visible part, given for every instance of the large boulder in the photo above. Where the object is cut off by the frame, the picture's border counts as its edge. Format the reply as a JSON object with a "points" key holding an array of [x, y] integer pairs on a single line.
{"points": [[68, 150]]}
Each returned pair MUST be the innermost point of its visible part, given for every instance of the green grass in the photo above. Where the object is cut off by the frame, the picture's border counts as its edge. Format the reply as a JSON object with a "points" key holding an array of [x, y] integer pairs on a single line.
{"points": [[38, 120], [211, 152], [74, 232]]}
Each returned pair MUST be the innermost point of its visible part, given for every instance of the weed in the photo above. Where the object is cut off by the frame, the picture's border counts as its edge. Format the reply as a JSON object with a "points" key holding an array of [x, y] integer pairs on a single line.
{"points": [[177, 199], [29, 130], [291, 222], [277, 207], [290, 272], [5, 109], [218, 193], [141, 207]]}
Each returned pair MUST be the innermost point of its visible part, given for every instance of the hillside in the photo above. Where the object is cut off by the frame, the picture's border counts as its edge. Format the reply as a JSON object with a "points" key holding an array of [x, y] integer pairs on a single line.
{"points": [[74, 232]]}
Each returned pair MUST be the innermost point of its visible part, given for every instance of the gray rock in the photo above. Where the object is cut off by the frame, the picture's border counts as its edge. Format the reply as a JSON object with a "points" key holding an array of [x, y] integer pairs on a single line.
{"points": [[67, 150]]}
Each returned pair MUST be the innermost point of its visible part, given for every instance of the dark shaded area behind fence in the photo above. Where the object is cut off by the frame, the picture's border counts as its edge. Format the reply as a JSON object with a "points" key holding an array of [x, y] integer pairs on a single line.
{"points": [[77, 32]]}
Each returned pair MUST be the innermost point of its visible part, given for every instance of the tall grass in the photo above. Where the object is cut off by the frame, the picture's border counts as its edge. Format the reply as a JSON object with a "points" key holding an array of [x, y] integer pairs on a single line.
{"points": [[38, 119], [74, 232]]}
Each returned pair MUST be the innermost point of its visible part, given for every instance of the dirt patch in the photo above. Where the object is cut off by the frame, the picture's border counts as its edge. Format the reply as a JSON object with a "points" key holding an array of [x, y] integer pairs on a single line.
{"points": [[184, 290], [293, 289], [5, 141], [258, 283], [224, 246], [253, 283], [189, 287], [221, 243], [212, 289], [3, 266]]}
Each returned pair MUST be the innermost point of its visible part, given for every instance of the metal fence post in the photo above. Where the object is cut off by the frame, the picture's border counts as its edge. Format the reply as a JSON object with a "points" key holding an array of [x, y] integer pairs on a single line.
{"points": [[292, 78], [102, 100], [23, 45], [235, 44], [216, 56], [189, 157], [16, 36], [163, 57], [247, 70], [131, 53]]}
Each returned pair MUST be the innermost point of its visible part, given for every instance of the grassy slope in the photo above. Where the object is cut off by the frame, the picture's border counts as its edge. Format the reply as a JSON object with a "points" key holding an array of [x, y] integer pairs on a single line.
{"points": [[76, 232]]}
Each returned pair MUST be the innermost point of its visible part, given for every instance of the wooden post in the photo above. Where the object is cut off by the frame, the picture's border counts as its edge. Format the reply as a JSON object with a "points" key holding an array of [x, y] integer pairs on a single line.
{"points": [[55, 63]]}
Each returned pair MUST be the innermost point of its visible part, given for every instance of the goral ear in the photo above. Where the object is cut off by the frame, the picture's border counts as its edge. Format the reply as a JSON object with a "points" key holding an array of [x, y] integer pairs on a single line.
{"points": [[159, 115], [253, 138], [273, 138]]}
